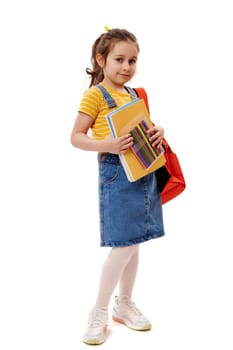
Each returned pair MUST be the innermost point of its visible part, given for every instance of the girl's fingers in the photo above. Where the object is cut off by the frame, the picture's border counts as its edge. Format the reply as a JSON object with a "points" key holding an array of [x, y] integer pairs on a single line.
{"points": [[126, 143], [127, 139]]}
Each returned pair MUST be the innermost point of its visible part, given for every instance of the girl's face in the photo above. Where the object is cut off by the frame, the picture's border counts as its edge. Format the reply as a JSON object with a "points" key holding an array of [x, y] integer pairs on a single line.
{"points": [[121, 64]]}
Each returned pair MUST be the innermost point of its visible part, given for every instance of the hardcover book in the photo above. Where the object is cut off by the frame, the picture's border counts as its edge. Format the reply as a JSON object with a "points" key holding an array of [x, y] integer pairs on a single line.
{"points": [[142, 158]]}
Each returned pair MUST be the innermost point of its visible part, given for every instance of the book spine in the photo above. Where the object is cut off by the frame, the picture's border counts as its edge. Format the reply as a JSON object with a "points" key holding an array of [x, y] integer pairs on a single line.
{"points": [[139, 156], [145, 138], [141, 147]]}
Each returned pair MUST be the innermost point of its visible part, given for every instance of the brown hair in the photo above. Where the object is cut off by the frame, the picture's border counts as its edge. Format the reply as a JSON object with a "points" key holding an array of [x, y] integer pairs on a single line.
{"points": [[103, 45]]}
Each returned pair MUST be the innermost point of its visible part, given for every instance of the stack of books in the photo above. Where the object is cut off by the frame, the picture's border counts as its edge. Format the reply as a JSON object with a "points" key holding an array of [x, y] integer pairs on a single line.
{"points": [[142, 158]]}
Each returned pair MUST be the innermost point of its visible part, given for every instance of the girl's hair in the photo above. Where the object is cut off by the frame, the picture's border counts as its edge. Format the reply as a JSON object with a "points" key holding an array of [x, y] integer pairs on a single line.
{"points": [[103, 45]]}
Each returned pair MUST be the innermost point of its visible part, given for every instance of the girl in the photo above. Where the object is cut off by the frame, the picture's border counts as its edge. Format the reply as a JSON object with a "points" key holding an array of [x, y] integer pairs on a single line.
{"points": [[130, 212]]}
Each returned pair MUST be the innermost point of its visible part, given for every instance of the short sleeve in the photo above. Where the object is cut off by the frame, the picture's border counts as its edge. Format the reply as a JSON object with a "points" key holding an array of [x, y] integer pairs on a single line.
{"points": [[91, 102]]}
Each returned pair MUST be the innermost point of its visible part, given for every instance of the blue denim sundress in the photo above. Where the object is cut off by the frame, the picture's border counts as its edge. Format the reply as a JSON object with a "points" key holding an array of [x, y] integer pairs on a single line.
{"points": [[130, 212]]}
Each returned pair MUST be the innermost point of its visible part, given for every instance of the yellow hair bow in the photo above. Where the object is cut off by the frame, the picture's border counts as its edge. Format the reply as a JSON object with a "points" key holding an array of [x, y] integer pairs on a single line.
{"points": [[107, 28]]}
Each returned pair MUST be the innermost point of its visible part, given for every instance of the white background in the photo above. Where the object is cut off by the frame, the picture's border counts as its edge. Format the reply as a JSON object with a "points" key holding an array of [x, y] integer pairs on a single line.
{"points": [[50, 258]]}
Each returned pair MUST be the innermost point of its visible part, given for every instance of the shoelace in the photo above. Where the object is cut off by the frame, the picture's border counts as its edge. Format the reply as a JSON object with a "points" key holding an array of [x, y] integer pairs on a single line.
{"points": [[131, 305], [97, 318]]}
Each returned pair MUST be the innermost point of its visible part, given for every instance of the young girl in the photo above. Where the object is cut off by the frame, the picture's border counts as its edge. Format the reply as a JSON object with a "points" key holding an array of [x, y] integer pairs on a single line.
{"points": [[130, 212]]}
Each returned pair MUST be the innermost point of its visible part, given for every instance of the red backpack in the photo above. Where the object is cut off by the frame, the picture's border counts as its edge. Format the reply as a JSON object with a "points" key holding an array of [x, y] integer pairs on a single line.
{"points": [[170, 178]]}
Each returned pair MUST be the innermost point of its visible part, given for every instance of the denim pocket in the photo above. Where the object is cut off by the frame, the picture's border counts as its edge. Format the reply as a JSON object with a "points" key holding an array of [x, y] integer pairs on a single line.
{"points": [[108, 172]]}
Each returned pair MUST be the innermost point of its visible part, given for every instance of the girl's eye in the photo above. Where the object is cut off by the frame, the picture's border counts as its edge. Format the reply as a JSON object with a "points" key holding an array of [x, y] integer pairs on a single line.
{"points": [[133, 61]]}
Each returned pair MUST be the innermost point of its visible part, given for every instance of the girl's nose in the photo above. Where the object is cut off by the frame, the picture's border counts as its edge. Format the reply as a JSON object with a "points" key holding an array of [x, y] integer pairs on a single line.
{"points": [[126, 66]]}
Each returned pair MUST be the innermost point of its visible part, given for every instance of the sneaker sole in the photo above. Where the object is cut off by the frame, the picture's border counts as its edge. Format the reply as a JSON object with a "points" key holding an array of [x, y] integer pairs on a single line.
{"points": [[96, 341], [147, 327], [93, 342]]}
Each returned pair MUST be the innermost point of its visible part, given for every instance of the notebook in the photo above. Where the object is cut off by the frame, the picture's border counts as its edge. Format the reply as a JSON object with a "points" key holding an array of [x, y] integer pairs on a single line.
{"points": [[142, 158]]}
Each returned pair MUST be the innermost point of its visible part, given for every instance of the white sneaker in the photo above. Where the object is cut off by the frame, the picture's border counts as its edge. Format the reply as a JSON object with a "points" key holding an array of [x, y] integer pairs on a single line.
{"points": [[96, 331], [126, 312]]}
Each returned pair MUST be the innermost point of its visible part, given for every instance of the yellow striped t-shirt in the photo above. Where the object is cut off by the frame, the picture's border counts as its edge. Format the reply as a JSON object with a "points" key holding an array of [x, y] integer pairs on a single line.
{"points": [[93, 103]]}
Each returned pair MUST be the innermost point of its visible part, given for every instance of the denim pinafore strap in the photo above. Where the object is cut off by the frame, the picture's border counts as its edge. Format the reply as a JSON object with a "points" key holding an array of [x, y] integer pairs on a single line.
{"points": [[110, 101]]}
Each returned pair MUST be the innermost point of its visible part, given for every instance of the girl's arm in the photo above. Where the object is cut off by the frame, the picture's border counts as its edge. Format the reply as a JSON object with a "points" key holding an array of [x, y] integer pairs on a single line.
{"points": [[80, 138]]}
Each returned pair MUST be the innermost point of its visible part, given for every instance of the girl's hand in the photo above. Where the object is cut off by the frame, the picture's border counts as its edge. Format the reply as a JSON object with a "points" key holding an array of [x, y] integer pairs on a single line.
{"points": [[156, 134], [118, 145]]}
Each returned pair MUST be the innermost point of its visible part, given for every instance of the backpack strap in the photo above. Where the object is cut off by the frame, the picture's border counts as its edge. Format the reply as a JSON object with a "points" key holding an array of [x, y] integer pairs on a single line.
{"points": [[110, 101], [141, 93]]}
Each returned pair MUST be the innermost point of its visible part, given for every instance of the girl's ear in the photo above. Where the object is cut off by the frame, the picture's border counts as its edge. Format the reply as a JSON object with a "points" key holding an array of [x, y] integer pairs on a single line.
{"points": [[100, 60]]}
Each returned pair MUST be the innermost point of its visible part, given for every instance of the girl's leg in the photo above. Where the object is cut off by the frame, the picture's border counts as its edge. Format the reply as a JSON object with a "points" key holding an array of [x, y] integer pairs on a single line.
{"points": [[120, 260], [129, 273], [125, 310]]}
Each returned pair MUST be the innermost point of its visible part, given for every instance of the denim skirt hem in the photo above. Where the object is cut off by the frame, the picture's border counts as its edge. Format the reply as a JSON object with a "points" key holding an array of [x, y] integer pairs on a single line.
{"points": [[131, 242], [130, 212]]}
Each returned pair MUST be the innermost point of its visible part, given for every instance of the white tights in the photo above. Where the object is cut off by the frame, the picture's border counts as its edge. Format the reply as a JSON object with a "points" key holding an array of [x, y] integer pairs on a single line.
{"points": [[120, 266]]}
